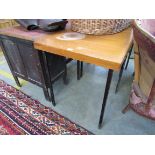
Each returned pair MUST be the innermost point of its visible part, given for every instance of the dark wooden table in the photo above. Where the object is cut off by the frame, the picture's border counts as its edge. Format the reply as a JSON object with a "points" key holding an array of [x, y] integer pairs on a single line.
{"points": [[28, 63]]}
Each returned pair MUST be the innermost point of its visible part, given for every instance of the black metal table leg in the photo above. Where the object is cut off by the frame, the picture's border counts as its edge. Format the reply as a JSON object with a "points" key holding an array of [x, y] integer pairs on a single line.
{"points": [[109, 78], [48, 90], [65, 80], [78, 70], [81, 69], [128, 58], [120, 76]]}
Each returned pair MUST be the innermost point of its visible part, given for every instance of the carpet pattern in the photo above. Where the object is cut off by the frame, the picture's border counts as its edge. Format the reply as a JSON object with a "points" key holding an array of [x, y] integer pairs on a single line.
{"points": [[20, 115]]}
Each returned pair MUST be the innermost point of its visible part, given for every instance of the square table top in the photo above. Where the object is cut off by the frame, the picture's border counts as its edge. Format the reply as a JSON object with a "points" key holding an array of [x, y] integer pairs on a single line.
{"points": [[108, 51]]}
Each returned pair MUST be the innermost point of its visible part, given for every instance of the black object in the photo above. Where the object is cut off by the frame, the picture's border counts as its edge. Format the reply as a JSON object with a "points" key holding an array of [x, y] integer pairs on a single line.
{"points": [[106, 92], [40, 68], [78, 70], [120, 76], [129, 54], [48, 25], [122, 68]]}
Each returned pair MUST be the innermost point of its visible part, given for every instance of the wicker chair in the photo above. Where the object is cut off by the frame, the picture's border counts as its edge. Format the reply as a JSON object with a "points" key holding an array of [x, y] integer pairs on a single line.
{"points": [[142, 96]]}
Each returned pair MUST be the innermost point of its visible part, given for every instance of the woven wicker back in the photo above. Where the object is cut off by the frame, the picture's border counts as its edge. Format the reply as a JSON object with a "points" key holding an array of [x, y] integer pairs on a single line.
{"points": [[142, 96], [145, 52], [99, 26]]}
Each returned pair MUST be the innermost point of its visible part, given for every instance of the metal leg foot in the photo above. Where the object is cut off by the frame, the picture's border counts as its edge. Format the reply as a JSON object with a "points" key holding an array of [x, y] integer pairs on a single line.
{"points": [[126, 109], [109, 78], [46, 93], [52, 96], [17, 81]]}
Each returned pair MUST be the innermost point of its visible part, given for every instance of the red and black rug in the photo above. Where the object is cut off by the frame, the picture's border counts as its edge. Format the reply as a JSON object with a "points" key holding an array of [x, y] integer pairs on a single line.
{"points": [[22, 115]]}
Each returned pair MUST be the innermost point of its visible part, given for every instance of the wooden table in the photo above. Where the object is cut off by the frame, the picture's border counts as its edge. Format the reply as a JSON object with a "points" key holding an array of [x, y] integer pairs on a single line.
{"points": [[108, 51], [40, 68]]}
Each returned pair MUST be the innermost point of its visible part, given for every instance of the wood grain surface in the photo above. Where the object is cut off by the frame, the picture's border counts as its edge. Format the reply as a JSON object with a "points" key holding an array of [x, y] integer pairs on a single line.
{"points": [[108, 51]]}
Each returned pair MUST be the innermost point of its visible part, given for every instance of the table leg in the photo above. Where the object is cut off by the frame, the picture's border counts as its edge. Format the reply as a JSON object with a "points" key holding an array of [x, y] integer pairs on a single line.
{"points": [[65, 80], [109, 78], [52, 96], [78, 70], [120, 76], [46, 93], [126, 108], [16, 80], [128, 58], [81, 69]]}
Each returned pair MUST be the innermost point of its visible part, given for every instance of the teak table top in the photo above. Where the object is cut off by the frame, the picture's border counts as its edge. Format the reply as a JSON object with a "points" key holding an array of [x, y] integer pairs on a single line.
{"points": [[108, 51]]}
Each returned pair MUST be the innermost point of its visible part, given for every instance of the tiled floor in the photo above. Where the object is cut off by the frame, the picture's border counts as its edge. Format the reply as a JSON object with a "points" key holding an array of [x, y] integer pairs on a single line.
{"points": [[80, 101]]}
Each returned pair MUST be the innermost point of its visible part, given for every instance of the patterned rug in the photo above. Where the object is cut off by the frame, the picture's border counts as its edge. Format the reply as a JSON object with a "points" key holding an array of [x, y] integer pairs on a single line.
{"points": [[22, 115]]}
